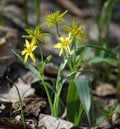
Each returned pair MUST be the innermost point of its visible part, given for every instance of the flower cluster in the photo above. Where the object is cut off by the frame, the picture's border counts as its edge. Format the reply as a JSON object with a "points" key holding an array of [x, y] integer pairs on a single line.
{"points": [[63, 43], [30, 47]]}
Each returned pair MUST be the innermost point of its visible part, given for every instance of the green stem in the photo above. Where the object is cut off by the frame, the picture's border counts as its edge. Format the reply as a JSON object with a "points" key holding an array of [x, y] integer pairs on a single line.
{"points": [[41, 53], [26, 13], [48, 95], [110, 9], [58, 88], [56, 103], [106, 12], [72, 58], [74, 42], [69, 60], [118, 78], [57, 30], [42, 78], [20, 102], [37, 10]]}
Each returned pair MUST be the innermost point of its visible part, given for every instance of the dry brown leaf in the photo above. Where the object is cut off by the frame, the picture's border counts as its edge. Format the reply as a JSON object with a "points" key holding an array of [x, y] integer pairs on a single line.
{"points": [[8, 123], [104, 89], [50, 122], [11, 94], [33, 104]]}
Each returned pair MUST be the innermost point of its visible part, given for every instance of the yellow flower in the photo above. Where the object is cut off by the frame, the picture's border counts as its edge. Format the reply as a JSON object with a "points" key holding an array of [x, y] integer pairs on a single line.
{"points": [[63, 44], [54, 18], [36, 33], [28, 51], [76, 31]]}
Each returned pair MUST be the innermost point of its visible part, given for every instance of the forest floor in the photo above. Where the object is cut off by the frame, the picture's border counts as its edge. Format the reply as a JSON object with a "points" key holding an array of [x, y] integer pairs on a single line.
{"points": [[36, 109]]}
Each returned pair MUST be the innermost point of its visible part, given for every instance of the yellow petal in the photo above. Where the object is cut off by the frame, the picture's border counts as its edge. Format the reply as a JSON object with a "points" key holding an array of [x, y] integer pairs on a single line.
{"points": [[67, 49], [26, 58], [61, 38], [33, 57], [61, 51], [23, 52], [74, 24], [80, 28], [50, 25], [33, 41], [34, 47], [61, 15], [27, 43], [57, 45]]}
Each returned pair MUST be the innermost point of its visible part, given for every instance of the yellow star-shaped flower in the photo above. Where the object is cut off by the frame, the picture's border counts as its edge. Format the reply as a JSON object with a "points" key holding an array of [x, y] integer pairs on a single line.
{"points": [[28, 51], [36, 33], [54, 18], [63, 44], [76, 31]]}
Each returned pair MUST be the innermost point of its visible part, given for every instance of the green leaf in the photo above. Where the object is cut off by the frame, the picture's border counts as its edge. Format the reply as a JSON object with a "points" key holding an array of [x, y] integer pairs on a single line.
{"points": [[58, 88], [108, 113], [108, 60], [48, 59], [74, 108], [83, 90], [97, 47], [101, 119], [85, 53], [60, 72]]}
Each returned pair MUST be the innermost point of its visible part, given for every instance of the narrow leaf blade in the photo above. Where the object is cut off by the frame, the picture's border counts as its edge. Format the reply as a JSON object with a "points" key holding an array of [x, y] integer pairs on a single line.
{"points": [[83, 90]]}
